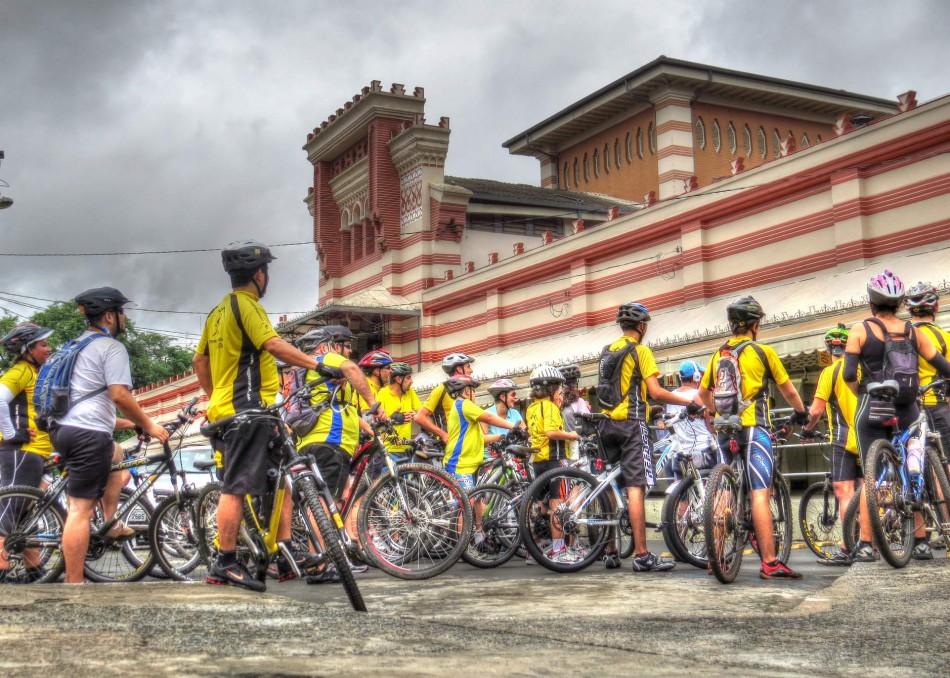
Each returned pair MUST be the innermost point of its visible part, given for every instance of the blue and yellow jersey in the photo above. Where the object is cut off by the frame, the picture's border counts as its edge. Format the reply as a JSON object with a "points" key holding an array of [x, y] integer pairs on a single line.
{"points": [[20, 379], [840, 405], [243, 375], [940, 338], [339, 422], [754, 375], [439, 403], [392, 403], [634, 405], [465, 450], [543, 416]]}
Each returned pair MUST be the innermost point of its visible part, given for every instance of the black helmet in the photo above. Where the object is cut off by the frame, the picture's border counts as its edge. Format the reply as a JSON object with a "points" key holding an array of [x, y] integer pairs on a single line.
{"points": [[921, 299], [338, 333], [400, 369], [100, 300], [571, 373], [457, 384], [743, 312], [247, 255], [632, 313], [311, 339], [18, 340]]}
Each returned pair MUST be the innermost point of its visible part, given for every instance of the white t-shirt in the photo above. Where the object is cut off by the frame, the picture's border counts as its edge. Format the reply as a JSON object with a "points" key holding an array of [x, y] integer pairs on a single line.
{"points": [[693, 433], [104, 362]]}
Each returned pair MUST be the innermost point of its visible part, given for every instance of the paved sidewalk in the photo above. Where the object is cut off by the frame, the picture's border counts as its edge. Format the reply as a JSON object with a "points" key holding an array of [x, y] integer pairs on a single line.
{"points": [[872, 621]]}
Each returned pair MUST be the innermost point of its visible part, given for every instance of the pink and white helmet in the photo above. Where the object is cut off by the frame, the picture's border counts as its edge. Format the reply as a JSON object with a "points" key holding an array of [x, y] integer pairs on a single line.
{"points": [[886, 289]]}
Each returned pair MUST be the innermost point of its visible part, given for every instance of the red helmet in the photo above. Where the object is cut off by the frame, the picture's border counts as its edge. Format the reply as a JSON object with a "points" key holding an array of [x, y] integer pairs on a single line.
{"points": [[375, 359]]}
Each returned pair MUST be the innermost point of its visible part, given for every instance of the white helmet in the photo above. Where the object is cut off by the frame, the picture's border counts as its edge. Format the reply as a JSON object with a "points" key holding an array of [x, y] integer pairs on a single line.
{"points": [[501, 386], [453, 360], [544, 375]]}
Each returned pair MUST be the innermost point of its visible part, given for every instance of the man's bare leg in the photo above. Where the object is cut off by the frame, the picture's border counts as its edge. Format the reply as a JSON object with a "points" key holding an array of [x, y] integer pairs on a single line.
{"points": [[76, 537]]}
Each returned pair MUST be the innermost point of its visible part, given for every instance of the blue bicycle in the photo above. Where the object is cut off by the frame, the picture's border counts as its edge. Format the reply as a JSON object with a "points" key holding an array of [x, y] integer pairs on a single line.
{"points": [[905, 492]]}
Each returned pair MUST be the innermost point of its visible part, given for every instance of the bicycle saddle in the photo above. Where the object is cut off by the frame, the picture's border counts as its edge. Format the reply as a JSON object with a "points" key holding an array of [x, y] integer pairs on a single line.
{"points": [[883, 388]]}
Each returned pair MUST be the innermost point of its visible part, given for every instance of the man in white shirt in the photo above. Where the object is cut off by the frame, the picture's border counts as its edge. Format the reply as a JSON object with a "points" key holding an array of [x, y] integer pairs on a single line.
{"points": [[101, 381], [693, 434]]}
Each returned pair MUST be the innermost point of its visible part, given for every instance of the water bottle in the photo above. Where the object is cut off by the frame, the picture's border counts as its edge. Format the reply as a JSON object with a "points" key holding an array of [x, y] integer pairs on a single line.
{"points": [[915, 457]]}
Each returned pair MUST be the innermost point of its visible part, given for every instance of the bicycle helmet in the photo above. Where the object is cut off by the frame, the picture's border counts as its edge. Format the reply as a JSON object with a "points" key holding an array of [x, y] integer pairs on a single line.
{"points": [[458, 383], [922, 299], [836, 336], [501, 386], [375, 359], [545, 375], [18, 340], [571, 373], [690, 370], [743, 312], [100, 300], [632, 313], [246, 255], [886, 289], [338, 333], [400, 369], [312, 339], [455, 360]]}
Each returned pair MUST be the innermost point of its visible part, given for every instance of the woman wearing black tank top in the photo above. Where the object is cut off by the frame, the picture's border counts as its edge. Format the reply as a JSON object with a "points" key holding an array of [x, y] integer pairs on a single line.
{"points": [[866, 347]]}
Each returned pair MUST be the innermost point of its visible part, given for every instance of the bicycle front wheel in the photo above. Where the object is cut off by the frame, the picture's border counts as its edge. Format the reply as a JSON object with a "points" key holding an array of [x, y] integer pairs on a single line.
{"points": [[851, 529], [34, 530], [723, 524], [173, 537], [818, 520], [682, 525], [495, 536], [416, 524], [126, 559], [781, 505], [888, 495], [938, 496]]}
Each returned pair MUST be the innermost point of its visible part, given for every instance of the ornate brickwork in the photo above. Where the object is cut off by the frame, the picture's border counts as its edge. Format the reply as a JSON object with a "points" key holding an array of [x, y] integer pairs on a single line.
{"points": [[410, 196]]}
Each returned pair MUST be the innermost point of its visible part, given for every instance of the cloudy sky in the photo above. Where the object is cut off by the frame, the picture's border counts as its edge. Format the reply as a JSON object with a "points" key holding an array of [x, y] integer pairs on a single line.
{"points": [[134, 125]]}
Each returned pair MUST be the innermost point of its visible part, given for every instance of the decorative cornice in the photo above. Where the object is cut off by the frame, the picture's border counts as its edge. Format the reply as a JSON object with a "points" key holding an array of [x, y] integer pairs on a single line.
{"points": [[420, 144], [351, 184]]}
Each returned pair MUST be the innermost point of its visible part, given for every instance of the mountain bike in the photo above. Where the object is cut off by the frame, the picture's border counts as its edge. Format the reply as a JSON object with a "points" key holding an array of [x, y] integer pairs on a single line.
{"points": [[818, 513], [728, 509], [297, 475], [901, 499], [41, 514]]}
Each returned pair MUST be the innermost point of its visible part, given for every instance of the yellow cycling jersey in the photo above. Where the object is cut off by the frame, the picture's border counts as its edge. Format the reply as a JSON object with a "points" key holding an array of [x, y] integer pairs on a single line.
{"points": [[465, 450], [940, 338], [20, 379], [439, 403], [391, 403], [840, 405], [339, 420], [243, 375], [542, 417], [361, 401], [754, 376], [634, 405]]}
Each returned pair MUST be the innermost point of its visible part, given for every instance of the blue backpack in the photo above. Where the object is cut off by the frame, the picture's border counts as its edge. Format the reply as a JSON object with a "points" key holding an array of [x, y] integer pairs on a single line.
{"points": [[51, 392]]}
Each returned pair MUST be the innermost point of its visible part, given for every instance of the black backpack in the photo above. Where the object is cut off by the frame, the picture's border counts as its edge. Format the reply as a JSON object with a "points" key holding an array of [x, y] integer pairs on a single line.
{"points": [[608, 388], [900, 362]]}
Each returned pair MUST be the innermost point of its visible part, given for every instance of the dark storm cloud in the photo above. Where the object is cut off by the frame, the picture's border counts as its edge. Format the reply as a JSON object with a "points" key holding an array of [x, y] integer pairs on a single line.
{"points": [[140, 125]]}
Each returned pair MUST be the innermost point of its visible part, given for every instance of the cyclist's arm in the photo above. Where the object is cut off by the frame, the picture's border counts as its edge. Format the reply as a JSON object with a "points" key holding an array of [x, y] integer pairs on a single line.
{"points": [[202, 366], [659, 393], [123, 399], [852, 354], [489, 437], [122, 424], [814, 413], [790, 393], [425, 422], [288, 353], [494, 420], [705, 397], [357, 379], [7, 429]]}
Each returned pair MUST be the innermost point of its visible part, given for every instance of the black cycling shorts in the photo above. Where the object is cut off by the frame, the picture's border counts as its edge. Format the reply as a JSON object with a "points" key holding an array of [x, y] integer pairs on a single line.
{"points": [[543, 467], [87, 456], [17, 468], [844, 465], [629, 443], [334, 465], [247, 457], [939, 418]]}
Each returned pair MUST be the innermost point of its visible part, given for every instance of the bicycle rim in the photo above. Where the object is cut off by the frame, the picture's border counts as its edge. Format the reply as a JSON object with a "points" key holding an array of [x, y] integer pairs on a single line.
{"points": [[725, 535], [780, 503], [683, 527], [887, 495], [938, 490], [174, 539], [32, 525], [818, 520], [124, 560], [495, 535]]}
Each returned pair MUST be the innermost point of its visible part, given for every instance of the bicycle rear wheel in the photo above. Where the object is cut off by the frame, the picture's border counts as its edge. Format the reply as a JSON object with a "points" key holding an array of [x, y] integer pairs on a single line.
{"points": [[173, 538], [682, 524], [206, 515], [888, 504], [851, 529], [122, 560], [723, 524], [495, 536], [34, 527], [780, 504], [938, 491], [818, 520]]}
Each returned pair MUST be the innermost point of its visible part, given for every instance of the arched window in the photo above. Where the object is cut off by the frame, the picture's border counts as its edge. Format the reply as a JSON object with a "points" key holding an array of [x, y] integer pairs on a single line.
{"points": [[564, 177], [356, 214], [806, 142], [716, 136], [776, 143], [596, 163], [651, 132], [639, 143], [747, 141], [617, 153], [577, 181], [763, 143], [731, 138], [700, 134], [607, 158], [629, 144], [345, 220], [586, 168]]}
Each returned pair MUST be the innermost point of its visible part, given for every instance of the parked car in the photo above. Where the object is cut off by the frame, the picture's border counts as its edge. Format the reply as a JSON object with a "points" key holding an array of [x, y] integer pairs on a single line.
{"points": [[185, 459]]}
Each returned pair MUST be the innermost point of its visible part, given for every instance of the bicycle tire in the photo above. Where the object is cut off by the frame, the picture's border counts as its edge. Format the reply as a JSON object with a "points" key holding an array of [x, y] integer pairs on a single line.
{"points": [[207, 521], [443, 547], [47, 536], [782, 518], [722, 513], [309, 496], [499, 527], [851, 529], [104, 558], [682, 523], [818, 520], [173, 538], [532, 525], [938, 487], [626, 536], [893, 526]]}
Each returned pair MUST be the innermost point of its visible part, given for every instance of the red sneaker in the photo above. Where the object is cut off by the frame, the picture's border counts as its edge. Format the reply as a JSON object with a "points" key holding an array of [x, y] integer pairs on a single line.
{"points": [[777, 570]]}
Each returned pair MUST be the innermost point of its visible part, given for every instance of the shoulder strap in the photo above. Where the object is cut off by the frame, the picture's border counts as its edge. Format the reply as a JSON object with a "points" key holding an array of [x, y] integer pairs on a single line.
{"points": [[936, 333], [835, 372], [102, 389], [236, 310], [631, 348], [764, 360]]}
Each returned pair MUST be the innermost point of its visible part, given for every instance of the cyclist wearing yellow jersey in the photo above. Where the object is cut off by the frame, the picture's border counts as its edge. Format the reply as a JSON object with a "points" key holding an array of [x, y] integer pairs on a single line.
{"points": [[235, 365], [24, 447], [399, 396], [465, 449], [433, 415], [921, 301], [758, 364], [376, 366], [834, 398]]}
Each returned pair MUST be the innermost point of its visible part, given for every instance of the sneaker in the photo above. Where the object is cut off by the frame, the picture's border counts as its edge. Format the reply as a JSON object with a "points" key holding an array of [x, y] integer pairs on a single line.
{"points": [[650, 562], [840, 559], [863, 553], [234, 575], [938, 544], [120, 531], [328, 576], [611, 561], [922, 552], [777, 570]]}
